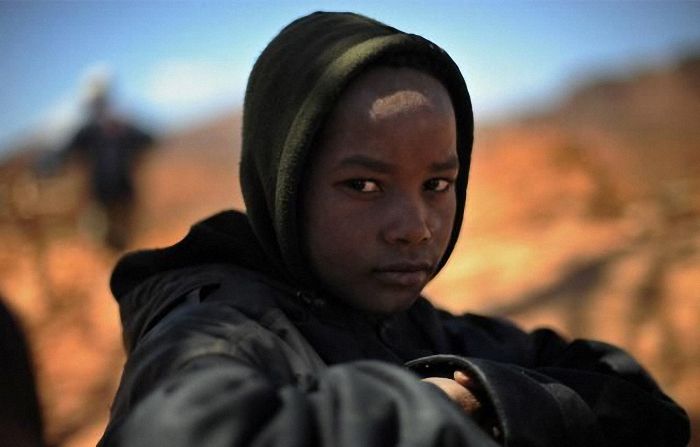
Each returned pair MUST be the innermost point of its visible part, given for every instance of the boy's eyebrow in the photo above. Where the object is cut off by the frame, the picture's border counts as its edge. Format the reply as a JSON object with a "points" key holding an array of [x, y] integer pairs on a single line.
{"points": [[383, 167], [447, 165]]}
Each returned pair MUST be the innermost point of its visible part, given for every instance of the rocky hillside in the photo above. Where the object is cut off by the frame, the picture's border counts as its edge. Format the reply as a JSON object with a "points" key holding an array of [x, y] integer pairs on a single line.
{"points": [[585, 219], [646, 122]]}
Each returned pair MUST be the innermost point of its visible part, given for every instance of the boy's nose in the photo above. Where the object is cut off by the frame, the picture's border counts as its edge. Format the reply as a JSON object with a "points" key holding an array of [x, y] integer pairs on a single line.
{"points": [[408, 224]]}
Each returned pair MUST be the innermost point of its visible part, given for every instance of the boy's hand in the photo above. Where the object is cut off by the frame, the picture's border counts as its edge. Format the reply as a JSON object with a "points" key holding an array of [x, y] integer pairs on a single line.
{"points": [[459, 390]]}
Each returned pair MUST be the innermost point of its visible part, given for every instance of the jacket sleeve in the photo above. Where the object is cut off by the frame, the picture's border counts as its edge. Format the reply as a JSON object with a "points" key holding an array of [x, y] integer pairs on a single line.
{"points": [[545, 391], [220, 402], [207, 380]]}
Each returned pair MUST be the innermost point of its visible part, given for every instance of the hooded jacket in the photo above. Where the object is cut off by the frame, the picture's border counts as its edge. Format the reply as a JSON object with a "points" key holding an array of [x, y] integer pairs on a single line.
{"points": [[229, 341]]}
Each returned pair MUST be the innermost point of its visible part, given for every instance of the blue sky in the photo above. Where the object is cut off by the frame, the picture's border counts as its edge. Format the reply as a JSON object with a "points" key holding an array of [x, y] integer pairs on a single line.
{"points": [[174, 63]]}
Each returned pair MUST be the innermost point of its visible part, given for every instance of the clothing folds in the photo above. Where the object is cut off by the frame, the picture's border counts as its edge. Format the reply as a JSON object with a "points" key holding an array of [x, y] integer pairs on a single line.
{"points": [[224, 355]]}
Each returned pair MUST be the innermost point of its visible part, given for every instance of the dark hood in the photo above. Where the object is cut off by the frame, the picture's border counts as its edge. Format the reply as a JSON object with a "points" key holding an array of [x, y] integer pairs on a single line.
{"points": [[292, 89], [225, 238]]}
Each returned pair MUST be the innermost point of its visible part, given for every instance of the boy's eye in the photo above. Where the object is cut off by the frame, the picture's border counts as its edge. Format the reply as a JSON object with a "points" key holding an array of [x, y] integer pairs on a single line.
{"points": [[363, 185], [438, 184]]}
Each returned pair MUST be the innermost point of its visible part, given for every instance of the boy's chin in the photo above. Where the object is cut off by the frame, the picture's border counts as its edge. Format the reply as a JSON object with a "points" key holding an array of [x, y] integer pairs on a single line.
{"points": [[385, 303]]}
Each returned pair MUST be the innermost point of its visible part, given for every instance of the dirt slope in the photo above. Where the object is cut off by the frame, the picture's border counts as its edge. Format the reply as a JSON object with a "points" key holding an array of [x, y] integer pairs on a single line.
{"points": [[586, 219]]}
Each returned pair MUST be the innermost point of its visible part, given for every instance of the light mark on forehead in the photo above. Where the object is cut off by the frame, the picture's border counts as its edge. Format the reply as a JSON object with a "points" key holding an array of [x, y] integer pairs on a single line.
{"points": [[401, 102]]}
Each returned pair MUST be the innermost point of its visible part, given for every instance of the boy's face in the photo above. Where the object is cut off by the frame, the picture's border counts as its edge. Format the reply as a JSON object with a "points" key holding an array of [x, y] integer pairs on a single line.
{"points": [[378, 201]]}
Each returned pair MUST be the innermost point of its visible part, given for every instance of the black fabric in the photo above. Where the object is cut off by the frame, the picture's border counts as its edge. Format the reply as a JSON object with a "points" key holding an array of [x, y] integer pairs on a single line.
{"points": [[226, 366], [237, 358], [224, 237]]}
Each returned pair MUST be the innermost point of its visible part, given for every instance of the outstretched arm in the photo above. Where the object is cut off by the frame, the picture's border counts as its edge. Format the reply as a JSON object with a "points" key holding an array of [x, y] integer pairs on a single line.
{"points": [[209, 375], [218, 401]]}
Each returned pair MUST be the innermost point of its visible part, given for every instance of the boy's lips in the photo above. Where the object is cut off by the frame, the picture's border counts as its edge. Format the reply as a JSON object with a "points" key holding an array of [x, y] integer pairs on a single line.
{"points": [[404, 274]]}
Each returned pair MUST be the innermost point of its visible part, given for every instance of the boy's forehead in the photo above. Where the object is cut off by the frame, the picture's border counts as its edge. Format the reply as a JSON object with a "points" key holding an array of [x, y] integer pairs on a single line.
{"points": [[383, 92], [386, 109]]}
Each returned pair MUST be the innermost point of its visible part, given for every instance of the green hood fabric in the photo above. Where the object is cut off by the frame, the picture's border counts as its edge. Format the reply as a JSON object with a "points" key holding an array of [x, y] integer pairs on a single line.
{"points": [[292, 89]]}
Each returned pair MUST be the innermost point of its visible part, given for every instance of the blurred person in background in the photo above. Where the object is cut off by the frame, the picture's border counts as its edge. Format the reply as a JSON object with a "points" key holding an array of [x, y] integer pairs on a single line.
{"points": [[110, 146]]}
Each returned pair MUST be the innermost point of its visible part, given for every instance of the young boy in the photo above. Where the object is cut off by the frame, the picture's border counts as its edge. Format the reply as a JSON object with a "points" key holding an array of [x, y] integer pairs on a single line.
{"points": [[301, 323]]}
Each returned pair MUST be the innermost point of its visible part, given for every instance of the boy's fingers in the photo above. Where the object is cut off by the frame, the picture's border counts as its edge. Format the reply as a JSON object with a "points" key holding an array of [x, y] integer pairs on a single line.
{"points": [[463, 379]]}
